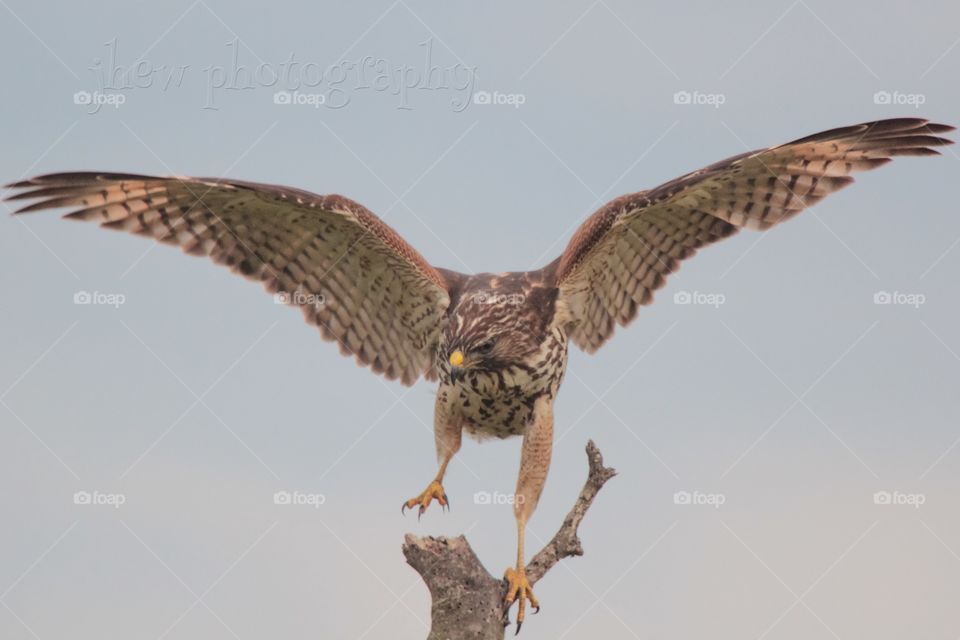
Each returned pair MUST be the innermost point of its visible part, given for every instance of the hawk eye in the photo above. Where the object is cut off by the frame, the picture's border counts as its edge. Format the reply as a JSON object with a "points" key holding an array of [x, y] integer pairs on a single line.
{"points": [[485, 348]]}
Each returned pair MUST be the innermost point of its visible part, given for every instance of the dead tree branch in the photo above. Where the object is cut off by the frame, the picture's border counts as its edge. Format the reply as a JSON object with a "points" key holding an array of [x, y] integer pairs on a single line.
{"points": [[468, 602]]}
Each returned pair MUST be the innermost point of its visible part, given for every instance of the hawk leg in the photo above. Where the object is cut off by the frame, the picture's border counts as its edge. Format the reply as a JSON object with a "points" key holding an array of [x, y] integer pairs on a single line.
{"points": [[447, 436], [434, 491], [534, 465]]}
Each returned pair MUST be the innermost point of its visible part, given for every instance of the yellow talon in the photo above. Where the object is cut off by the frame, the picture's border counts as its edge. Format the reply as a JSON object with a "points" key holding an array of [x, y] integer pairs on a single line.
{"points": [[434, 491], [519, 589], [456, 358]]}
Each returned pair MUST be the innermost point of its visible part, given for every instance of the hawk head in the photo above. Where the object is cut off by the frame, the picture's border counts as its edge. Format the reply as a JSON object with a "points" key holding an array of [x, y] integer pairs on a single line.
{"points": [[495, 322]]}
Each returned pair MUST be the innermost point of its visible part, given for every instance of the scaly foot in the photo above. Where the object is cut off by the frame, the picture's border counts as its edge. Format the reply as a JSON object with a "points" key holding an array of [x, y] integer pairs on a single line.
{"points": [[434, 491], [519, 589]]}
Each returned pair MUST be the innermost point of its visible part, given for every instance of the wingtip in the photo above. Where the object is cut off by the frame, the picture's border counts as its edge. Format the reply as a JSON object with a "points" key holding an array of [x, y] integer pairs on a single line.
{"points": [[35, 181], [36, 206], [74, 178], [937, 127], [22, 195]]}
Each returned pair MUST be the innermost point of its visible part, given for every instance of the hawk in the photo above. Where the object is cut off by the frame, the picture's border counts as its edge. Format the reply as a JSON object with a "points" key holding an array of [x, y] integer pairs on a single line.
{"points": [[497, 343]]}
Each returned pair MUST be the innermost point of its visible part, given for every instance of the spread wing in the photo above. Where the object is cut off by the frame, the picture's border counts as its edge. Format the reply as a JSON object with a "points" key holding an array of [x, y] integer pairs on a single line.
{"points": [[623, 252], [351, 274]]}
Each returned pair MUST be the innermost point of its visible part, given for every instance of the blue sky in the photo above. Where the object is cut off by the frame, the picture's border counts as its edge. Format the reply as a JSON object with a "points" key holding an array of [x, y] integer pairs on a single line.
{"points": [[787, 391]]}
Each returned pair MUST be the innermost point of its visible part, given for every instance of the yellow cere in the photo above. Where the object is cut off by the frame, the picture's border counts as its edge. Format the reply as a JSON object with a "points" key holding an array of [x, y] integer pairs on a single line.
{"points": [[456, 358]]}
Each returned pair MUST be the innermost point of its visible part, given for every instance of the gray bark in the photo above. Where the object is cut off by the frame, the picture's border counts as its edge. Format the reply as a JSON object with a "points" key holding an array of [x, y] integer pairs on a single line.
{"points": [[468, 602]]}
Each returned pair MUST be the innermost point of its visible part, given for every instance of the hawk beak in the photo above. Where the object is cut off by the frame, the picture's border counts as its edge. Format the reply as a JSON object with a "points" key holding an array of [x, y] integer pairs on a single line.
{"points": [[456, 361]]}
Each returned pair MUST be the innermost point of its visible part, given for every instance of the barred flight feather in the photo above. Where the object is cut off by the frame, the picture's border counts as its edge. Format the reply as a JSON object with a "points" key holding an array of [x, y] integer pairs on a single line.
{"points": [[623, 252], [382, 302]]}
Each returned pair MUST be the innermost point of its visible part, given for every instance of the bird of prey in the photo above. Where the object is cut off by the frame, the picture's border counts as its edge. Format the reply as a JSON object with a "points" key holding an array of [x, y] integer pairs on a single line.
{"points": [[497, 343]]}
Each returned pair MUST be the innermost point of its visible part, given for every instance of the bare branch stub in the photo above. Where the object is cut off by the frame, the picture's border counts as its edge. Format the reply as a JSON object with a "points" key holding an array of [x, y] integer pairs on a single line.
{"points": [[566, 542], [467, 601]]}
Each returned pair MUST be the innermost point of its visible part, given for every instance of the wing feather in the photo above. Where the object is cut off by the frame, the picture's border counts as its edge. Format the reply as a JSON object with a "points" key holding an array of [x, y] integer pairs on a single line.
{"points": [[351, 274], [623, 252]]}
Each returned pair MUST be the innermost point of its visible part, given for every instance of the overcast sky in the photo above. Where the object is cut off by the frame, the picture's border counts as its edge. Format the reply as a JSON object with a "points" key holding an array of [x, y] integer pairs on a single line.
{"points": [[786, 394]]}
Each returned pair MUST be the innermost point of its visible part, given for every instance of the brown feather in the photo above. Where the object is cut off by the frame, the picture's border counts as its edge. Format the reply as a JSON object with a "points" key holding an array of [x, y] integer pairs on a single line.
{"points": [[382, 302], [622, 253]]}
